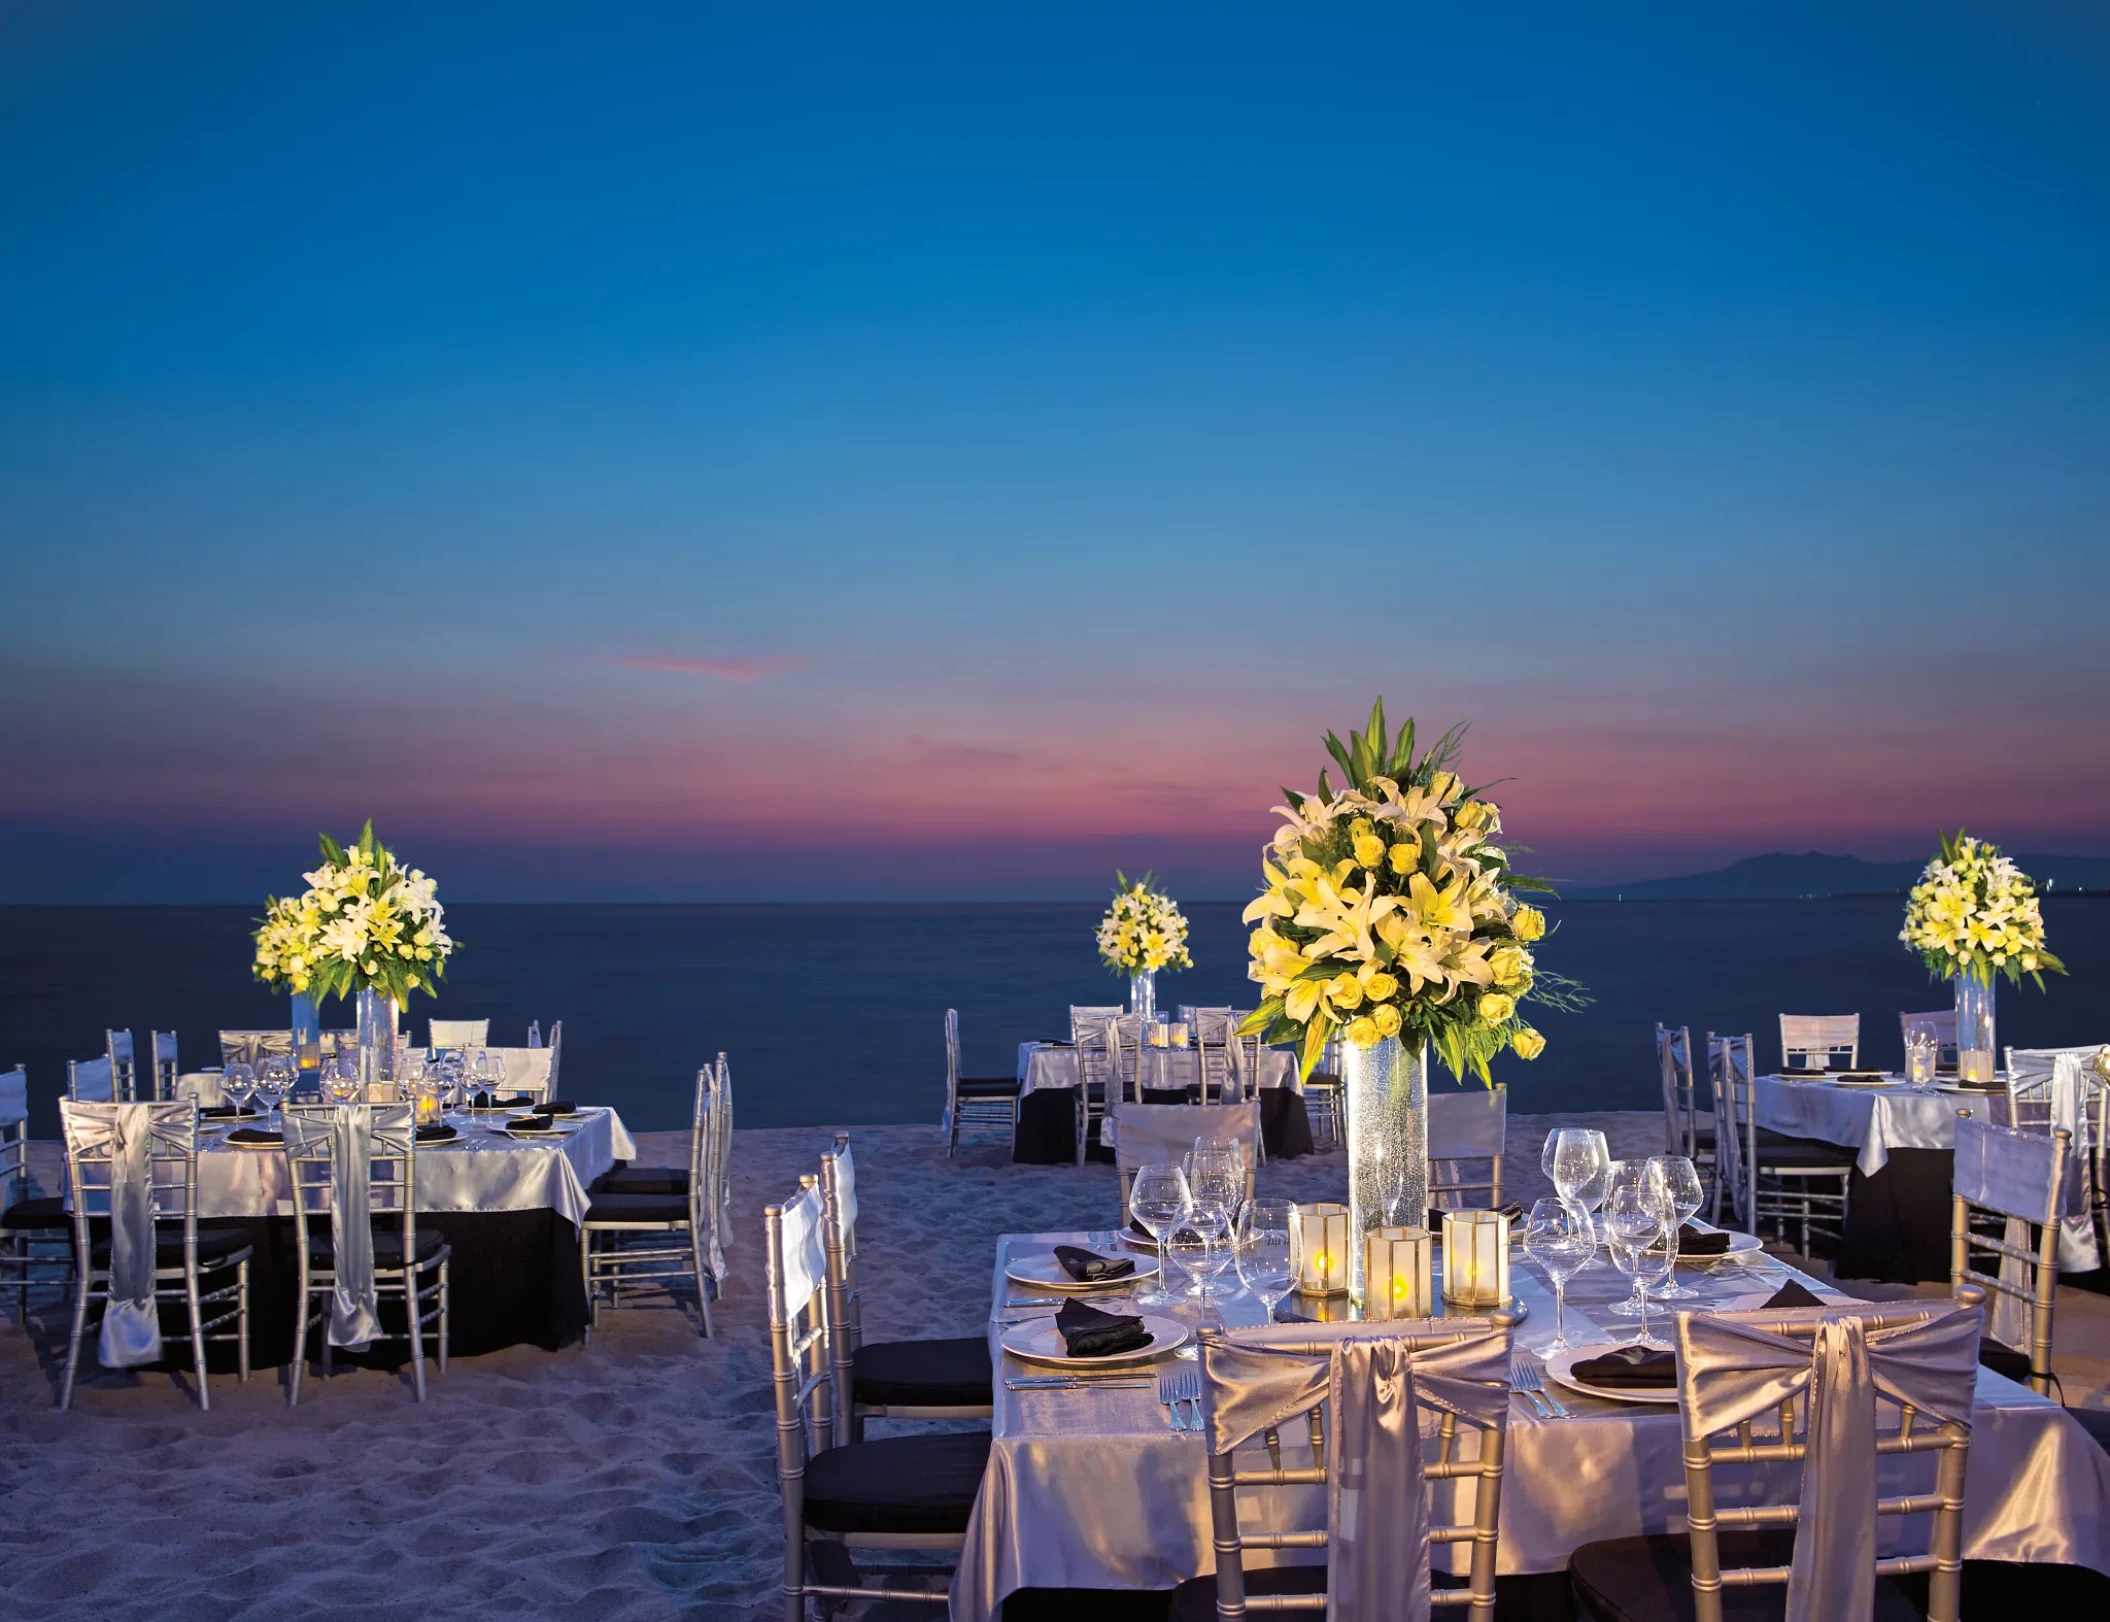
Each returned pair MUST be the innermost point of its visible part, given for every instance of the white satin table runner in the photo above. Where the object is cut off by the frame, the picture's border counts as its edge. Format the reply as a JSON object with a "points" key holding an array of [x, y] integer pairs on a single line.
{"points": [[1094, 1490], [485, 1170], [1040, 1065]]}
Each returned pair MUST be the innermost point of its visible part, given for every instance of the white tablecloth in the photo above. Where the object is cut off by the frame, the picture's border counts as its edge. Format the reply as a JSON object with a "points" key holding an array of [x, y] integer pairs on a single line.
{"points": [[1094, 1490], [1041, 1065], [485, 1170], [1874, 1120]]}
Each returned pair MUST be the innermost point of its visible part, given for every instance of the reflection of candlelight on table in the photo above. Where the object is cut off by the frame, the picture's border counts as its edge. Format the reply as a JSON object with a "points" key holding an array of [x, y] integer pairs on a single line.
{"points": [[1396, 1271], [1319, 1246], [1476, 1258]]}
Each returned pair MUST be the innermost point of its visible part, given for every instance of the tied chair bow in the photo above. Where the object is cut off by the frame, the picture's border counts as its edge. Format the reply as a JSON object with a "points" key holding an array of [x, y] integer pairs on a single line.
{"points": [[355, 1305], [1377, 1507], [1737, 1371], [131, 1331]]}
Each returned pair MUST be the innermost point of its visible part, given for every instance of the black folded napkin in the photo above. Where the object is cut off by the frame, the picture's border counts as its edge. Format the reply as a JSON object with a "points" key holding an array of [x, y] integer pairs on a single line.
{"points": [[1693, 1242], [1513, 1211], [252, 1134], [1088, 1332], [437, 1134], [507, 1101], [1086, 1267], [1860, 1075], [530, 1123], [557, 1106], [1791, 1294], [1641, 1368], [216, 1112]]}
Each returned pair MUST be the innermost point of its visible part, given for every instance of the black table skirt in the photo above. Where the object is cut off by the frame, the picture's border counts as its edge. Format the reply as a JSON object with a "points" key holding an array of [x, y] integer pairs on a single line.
{"points": [[1047, 1125], [513, 1280]]}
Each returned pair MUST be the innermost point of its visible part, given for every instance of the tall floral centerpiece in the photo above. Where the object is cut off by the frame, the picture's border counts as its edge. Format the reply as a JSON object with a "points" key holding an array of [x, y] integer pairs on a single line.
{"points": [[1972, 917], [1143, 931], [1391, 922], [364, 928]]}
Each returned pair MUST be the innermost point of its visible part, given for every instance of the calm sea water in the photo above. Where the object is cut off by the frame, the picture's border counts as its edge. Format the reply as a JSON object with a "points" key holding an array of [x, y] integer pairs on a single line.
{"points": [[830, 1014]]}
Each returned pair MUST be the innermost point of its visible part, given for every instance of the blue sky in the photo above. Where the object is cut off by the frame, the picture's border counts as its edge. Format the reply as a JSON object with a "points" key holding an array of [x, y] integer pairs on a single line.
{"points": [[964, 452]]}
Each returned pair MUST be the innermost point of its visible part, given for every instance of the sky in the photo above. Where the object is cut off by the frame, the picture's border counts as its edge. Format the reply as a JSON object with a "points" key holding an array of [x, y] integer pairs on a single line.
{"points": [[694, 452]]}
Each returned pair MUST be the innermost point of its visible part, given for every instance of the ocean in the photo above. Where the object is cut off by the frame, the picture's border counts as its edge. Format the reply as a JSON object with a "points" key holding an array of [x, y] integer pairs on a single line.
{"points": [[830, 1014]]}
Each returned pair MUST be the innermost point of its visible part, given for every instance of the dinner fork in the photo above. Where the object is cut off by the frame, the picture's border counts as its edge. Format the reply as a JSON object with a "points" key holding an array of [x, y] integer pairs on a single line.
{"points": [[1526, 1379], [1190, 1382], [1169, 1393]]}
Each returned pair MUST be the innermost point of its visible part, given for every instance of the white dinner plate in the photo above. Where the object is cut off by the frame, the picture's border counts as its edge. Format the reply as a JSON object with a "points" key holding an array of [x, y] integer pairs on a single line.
{"points": [[529, 1132], [272, 1148], [1041, 1342], [1868, 1081], [1559, 1365], [1961, 1091], [1045, 1273]]}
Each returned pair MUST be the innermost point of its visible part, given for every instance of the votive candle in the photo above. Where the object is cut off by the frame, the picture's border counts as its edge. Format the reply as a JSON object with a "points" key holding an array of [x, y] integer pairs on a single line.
{"points": [[1319, 1248], [1476, 1258], [1396, 1272]]}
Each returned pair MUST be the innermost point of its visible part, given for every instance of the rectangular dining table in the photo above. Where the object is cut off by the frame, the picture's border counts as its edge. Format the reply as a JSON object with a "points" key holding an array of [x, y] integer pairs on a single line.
{"points": [[1092, 1488]]}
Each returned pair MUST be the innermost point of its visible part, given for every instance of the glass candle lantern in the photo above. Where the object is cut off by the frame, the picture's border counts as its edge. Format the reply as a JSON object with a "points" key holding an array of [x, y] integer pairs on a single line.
{"points": [[1318, 1237], [1475, 1258], [1396, 1273]]}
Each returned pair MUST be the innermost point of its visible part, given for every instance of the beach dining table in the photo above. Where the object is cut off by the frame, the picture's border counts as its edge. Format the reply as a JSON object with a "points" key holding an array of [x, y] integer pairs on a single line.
{"points": [[1049, 1075], [509, 1207], [1092, 1488], [1904, 1141]]}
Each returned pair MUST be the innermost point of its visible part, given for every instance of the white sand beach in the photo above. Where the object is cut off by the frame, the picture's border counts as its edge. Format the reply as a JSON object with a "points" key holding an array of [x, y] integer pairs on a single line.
{"points": [[630, 1477]]}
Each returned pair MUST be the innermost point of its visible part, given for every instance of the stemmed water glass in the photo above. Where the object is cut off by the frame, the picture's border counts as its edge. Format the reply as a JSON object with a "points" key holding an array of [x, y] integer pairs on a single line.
{"points": [[1209, 1222], [340, 1079], [1159, 1201], [238, 1085], [1675, 1183], [1635, 1230], [1216, 1171], [1263, 1254], [1562, 1241], [1579, 1162], [488, 1075], [273, 1083]]}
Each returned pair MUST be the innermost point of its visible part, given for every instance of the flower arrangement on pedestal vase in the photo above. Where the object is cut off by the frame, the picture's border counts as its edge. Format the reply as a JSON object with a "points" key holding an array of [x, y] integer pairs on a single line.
{"points": [[1972, 917], [1142, 932], [1391, 923], [364, 928]]}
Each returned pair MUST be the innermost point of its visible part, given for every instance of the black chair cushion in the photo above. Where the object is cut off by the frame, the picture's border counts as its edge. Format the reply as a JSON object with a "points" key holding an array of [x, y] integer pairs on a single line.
{"points": [[217, 1247], [642, 1180], [638, 1208], [2003, 1360], [897, 1484], [35, 1216], [989, 1086], [1195, 1599], [388, 1244], [923, 1373], [1650, 1580]]}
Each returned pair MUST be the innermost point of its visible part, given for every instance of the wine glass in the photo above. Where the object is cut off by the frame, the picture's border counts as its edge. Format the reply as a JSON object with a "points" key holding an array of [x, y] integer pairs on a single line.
{"points": [[340, 1079], [1209, 1221], [1581, 1169], [1560, 1238], [272, 1083], [238, 1085], [1158, 1201], [1675, 1183], [1216, 1170], [1635, 1230], [410, 1073], [1263, 1254], [488, 1075]]}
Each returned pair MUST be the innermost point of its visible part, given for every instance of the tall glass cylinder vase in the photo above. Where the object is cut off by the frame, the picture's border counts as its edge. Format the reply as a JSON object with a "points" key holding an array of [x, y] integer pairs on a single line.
{"points": [[1385, 1090], [1143, 994], [307, 1034], [1974, 1029], [374, 1038]]}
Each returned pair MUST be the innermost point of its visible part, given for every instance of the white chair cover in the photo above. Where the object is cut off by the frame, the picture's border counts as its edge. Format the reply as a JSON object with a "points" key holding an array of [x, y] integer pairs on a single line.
{"points": [[253, 1047], [846, 1190], [131, 1329], [1153, 1134], [1735, 1369], [805, 1253], [14, 1096], [1469, 1124], [527, 1071], [89, 1079], [2010, 1172], [458, 1033], [1376, 1506], [202, 1087]]}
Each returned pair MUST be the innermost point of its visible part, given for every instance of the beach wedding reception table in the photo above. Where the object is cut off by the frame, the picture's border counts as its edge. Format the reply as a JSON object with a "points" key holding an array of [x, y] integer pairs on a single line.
{"points": [[1049, 1072], [1091, 1487]]}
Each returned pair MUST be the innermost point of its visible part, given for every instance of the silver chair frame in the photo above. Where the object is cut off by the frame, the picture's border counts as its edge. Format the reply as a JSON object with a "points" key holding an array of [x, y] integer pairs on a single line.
{"points": [[174, 1144], [395, 1146], [987, 1110], [1759, 1191], [1965, 1241], [19, 1257], [1225, 1479], [675, 1248], [1447, 1172]]}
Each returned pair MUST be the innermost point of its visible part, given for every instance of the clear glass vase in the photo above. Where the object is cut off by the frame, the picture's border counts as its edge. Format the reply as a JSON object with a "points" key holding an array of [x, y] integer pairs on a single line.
{"points": [[1143, 994], [1974, 1029], [371, 1009], [1385, 1092], [307, 1034]]}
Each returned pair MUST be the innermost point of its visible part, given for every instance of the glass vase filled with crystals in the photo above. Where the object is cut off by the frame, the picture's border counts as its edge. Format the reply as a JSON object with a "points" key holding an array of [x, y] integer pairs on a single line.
{"points": [[1143, 995], [1385, 1095], [1974, 1030]]}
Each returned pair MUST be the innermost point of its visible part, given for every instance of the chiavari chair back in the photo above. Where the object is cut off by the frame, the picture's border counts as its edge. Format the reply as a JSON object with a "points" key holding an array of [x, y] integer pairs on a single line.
{"points": [[981, 1100], [1729, 1076], [1410, 1394], [1467, 1130], [442, 1034], [35, 1231], [898, 1492], [660, 1230], [1820, 1041], [355, 1166], [132, 1169], [1163, 1134], [2069, 1088], [2012, 1180], [1212, 1033], [1793, 1182], [156, 1083], [1685, 1130], [556, 1053], [254, 1047]]}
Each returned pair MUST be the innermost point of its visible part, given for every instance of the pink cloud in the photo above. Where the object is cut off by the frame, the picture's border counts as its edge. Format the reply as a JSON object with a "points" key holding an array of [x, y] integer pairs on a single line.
{"points": [[724, 669]]}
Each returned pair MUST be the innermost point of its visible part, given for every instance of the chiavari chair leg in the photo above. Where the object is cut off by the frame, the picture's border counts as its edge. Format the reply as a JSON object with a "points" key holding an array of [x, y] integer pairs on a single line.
{"points": [[300, 1345], [412, 1308], [703, 1280], [446, 1329], [241, 1320], [73, 1346], [197, 1332]]}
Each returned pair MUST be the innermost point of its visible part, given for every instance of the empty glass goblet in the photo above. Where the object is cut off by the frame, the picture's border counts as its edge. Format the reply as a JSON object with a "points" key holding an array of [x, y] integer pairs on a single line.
{"points": [[1158, 1201], [1561, 1239], [1263, 1253], [1675, 1183]]}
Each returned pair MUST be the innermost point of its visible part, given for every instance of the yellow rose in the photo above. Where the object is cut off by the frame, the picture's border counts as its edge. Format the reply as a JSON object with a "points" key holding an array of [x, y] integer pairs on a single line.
{"points": [[1362, 1033], [1471, 815], [1386, 1019], [1369, 849], [1528, 924], [1380, 987], [1344, 992], [1406, 858], [1528, 1043], [1361, 828], [1443, 785], [1507, 964], [1494, 1007]]}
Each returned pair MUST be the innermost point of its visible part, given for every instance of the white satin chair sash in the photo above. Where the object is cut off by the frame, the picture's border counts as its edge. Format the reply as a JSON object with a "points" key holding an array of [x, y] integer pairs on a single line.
{"points": [[355, 1305], [1736, 1370], [846, 1189], [2078, 1252], [805, 1259], [1377, 1508], [131, 1328]]}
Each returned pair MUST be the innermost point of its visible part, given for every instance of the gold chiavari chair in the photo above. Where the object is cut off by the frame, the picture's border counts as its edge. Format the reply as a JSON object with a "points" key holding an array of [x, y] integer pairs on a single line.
{"points": [[2016, 1179], [1467, 1130], [632, 1242]]}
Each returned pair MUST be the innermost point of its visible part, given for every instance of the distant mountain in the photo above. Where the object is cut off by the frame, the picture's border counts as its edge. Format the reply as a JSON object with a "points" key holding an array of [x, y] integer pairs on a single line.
{"points": [[1782, 876]]}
